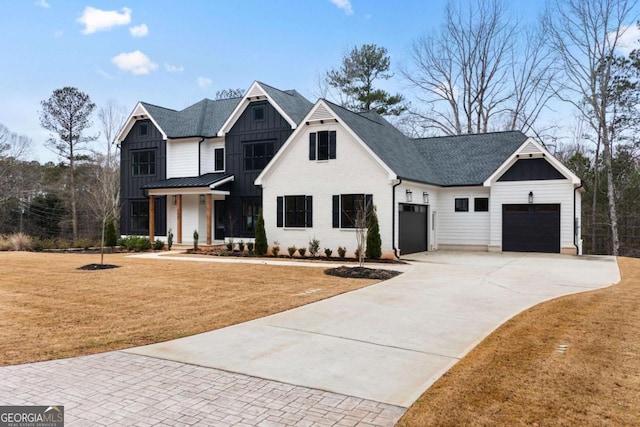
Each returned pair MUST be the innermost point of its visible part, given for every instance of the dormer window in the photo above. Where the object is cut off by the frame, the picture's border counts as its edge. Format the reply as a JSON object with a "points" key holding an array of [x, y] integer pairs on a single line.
{"points": [[258, 113], [322, 145], [144, 129]]}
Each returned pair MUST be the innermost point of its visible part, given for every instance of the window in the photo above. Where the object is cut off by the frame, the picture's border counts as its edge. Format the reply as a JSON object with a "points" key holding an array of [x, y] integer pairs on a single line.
{"points": [[219, 159], [258, 113], [144, 129], [257, 155], [481, 204], [346, 208], [250, 212], [143, 163], [462, 205], [140, 217], [297, 211], [322, 145]]}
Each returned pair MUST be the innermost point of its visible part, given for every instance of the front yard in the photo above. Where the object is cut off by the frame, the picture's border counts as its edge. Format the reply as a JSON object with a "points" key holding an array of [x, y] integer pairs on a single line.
{"points": [[52, 310]]}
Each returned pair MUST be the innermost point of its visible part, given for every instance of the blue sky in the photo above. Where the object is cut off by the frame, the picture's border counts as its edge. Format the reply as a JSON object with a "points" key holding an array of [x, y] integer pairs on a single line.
{"points": [[174, 53]]}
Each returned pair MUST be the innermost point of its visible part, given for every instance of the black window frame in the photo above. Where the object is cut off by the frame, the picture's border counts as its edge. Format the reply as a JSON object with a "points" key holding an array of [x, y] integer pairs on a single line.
{"points": [[348, 207], [461, 204], [218, 163], [139, 214], [322, 145], [250, 212], [140, 167], [298, 211], [250, 161], [258, 113], [484, 207], [143, 129]]}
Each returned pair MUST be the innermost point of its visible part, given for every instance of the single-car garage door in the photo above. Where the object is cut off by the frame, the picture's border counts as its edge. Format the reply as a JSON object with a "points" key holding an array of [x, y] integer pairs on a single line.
{"points": [[531, 228], [412, 228]]}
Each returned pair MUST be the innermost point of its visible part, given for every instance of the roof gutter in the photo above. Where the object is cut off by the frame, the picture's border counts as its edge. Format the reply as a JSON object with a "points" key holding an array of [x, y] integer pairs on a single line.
{"points": [[393, 217], [575, 225], [200, 156]]}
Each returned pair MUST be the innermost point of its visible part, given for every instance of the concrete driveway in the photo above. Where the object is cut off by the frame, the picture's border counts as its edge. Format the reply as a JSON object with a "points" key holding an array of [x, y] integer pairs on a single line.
{"points": [[391, 341]]}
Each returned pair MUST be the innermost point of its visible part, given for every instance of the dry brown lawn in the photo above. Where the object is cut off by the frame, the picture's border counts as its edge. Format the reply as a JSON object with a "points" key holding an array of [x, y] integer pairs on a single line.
{"points": [[49, 309], [517, 376]]}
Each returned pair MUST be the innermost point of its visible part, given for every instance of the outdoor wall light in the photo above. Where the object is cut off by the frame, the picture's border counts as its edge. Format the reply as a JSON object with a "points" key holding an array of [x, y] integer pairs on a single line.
{"points": [[425, 198], [530, 196], [202, 199], [409, 195]]}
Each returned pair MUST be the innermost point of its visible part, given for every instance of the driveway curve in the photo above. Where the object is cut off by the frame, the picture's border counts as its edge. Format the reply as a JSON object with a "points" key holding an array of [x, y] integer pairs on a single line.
{"points": [[389, 342]]}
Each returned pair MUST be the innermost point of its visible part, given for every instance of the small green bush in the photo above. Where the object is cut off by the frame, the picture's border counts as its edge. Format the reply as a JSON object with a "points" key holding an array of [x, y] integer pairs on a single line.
{"points": [[357, 253], [314, 247], [83, 243], [275, 248], [169, 239], [241, 246], [250, 246], [292, 250], [229, 245], [302, 251], [342, 252], [328, 252], [158, 245], [195, 240], [110, 236], [137, 243], [63, 244], [374, 244], [261, 236]]}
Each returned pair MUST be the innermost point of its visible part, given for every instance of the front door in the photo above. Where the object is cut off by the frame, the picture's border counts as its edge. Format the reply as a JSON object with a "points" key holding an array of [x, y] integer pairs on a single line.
{"points": [[219, 212]]}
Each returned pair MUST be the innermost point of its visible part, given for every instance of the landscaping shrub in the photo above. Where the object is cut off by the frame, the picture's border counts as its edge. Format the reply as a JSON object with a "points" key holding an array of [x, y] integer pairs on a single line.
{"points": [[20, 242], [229, 245], [169, 239], [302, 251], [83, 243], [250, 247], [136, 243], [110, 236], [261, 236], [342, 252], [357, 253], [195, 240], [158, 245], [292, 250], [328, 252], [241, 246], [374, 244], [314, 247], [63, 244], [5, 243], [275, 248]]}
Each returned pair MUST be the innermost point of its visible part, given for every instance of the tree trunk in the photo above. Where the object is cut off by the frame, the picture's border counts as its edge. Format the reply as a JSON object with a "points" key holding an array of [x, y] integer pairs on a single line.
{"points": [[594, 199], [613, 216], [72, 188]]}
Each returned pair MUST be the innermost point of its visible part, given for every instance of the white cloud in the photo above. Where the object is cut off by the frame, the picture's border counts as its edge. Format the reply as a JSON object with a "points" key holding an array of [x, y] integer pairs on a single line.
{"points": [[103, 73], [204, 82], [344, 5], [58, 33], [628, 40], [139, 31], [173, 68], [43, 3], [134, 62], [101, 20]]}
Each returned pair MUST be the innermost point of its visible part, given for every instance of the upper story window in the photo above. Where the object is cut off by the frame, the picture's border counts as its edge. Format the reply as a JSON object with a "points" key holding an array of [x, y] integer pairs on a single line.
{"points": [[257, 113], [218, 165], [257, 154], [462, 204], [144, 129], [348, 209], [481, 204], [322, 145], [143, 162]]}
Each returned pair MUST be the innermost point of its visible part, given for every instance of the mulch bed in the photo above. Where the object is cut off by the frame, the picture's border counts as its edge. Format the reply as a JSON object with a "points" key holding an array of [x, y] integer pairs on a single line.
{"points": [[98, 267], [361, 273]]}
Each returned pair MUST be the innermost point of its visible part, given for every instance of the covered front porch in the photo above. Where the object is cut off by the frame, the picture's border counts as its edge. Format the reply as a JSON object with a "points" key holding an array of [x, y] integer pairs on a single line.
{"points": [[193, 204]]}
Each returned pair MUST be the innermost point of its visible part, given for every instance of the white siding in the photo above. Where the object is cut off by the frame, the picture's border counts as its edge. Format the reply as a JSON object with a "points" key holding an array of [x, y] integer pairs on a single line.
{"points": [[462, 228], [182, 158], [207, 155], [551, 191], [190, 221], [417, 196], [354, 171]]}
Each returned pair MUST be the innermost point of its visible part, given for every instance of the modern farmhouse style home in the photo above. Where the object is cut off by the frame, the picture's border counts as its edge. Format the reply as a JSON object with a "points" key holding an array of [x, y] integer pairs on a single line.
{"points": [[214, 165]]}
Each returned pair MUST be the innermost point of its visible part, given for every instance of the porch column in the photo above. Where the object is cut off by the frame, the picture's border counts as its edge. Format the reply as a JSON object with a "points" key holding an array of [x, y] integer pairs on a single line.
{"points": [[179, 226], [152, 217], [209, 206]]}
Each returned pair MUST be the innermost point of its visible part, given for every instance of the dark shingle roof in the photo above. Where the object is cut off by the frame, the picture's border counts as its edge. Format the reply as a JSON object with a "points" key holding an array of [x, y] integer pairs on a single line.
{"points": [[195, 181], [446, 161], [292, 103]]}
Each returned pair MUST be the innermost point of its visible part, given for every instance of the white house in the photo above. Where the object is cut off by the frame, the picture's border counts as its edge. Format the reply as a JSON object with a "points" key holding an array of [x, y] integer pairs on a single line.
{"points": [[497, 191]]}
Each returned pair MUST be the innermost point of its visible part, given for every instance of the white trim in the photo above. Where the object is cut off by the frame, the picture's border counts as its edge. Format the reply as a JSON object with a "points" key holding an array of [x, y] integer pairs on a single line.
{"points": [[186, 190], [543, 153], [222, 181], [139, 112], [258, 92], [321, 103]]}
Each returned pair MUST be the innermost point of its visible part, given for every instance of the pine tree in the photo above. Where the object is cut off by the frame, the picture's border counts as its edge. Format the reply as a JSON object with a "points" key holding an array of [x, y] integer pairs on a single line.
{"points": [[261, 236], [374, 244]]}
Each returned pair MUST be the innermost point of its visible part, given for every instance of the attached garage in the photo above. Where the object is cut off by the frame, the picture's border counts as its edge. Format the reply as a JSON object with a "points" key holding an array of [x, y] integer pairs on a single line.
{"points": [[531, 228], [413, 228]]}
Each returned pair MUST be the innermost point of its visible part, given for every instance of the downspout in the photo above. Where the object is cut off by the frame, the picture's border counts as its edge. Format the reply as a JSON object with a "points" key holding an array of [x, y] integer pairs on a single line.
{"points": [[200, 156], [393, 217], [575, 236]]}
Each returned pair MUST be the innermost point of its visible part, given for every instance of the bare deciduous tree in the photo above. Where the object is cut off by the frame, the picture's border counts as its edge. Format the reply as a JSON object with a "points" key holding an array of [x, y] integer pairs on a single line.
{"points": [[585, 35], [13, 148], [105, 193]]}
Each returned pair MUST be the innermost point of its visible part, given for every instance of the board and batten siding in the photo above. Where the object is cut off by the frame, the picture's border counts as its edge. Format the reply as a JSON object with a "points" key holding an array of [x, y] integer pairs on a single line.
{"points": [[462, 229], [544, 192], [182, 158], [353, 171]]}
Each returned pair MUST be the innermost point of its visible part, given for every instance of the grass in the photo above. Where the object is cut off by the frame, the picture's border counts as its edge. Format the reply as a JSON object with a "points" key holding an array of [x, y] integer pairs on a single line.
{"points": [[520, 376], [50, 310]]}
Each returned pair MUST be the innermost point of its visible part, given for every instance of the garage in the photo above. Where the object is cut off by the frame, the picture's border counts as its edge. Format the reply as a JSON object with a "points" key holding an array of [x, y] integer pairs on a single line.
{"points": [[413, 228], [531, 228]]}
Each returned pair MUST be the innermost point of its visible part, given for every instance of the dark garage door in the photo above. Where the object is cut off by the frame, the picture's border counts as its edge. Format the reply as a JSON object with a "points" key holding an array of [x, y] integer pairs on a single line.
{"points": [[531, 228], [413, 228]]}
